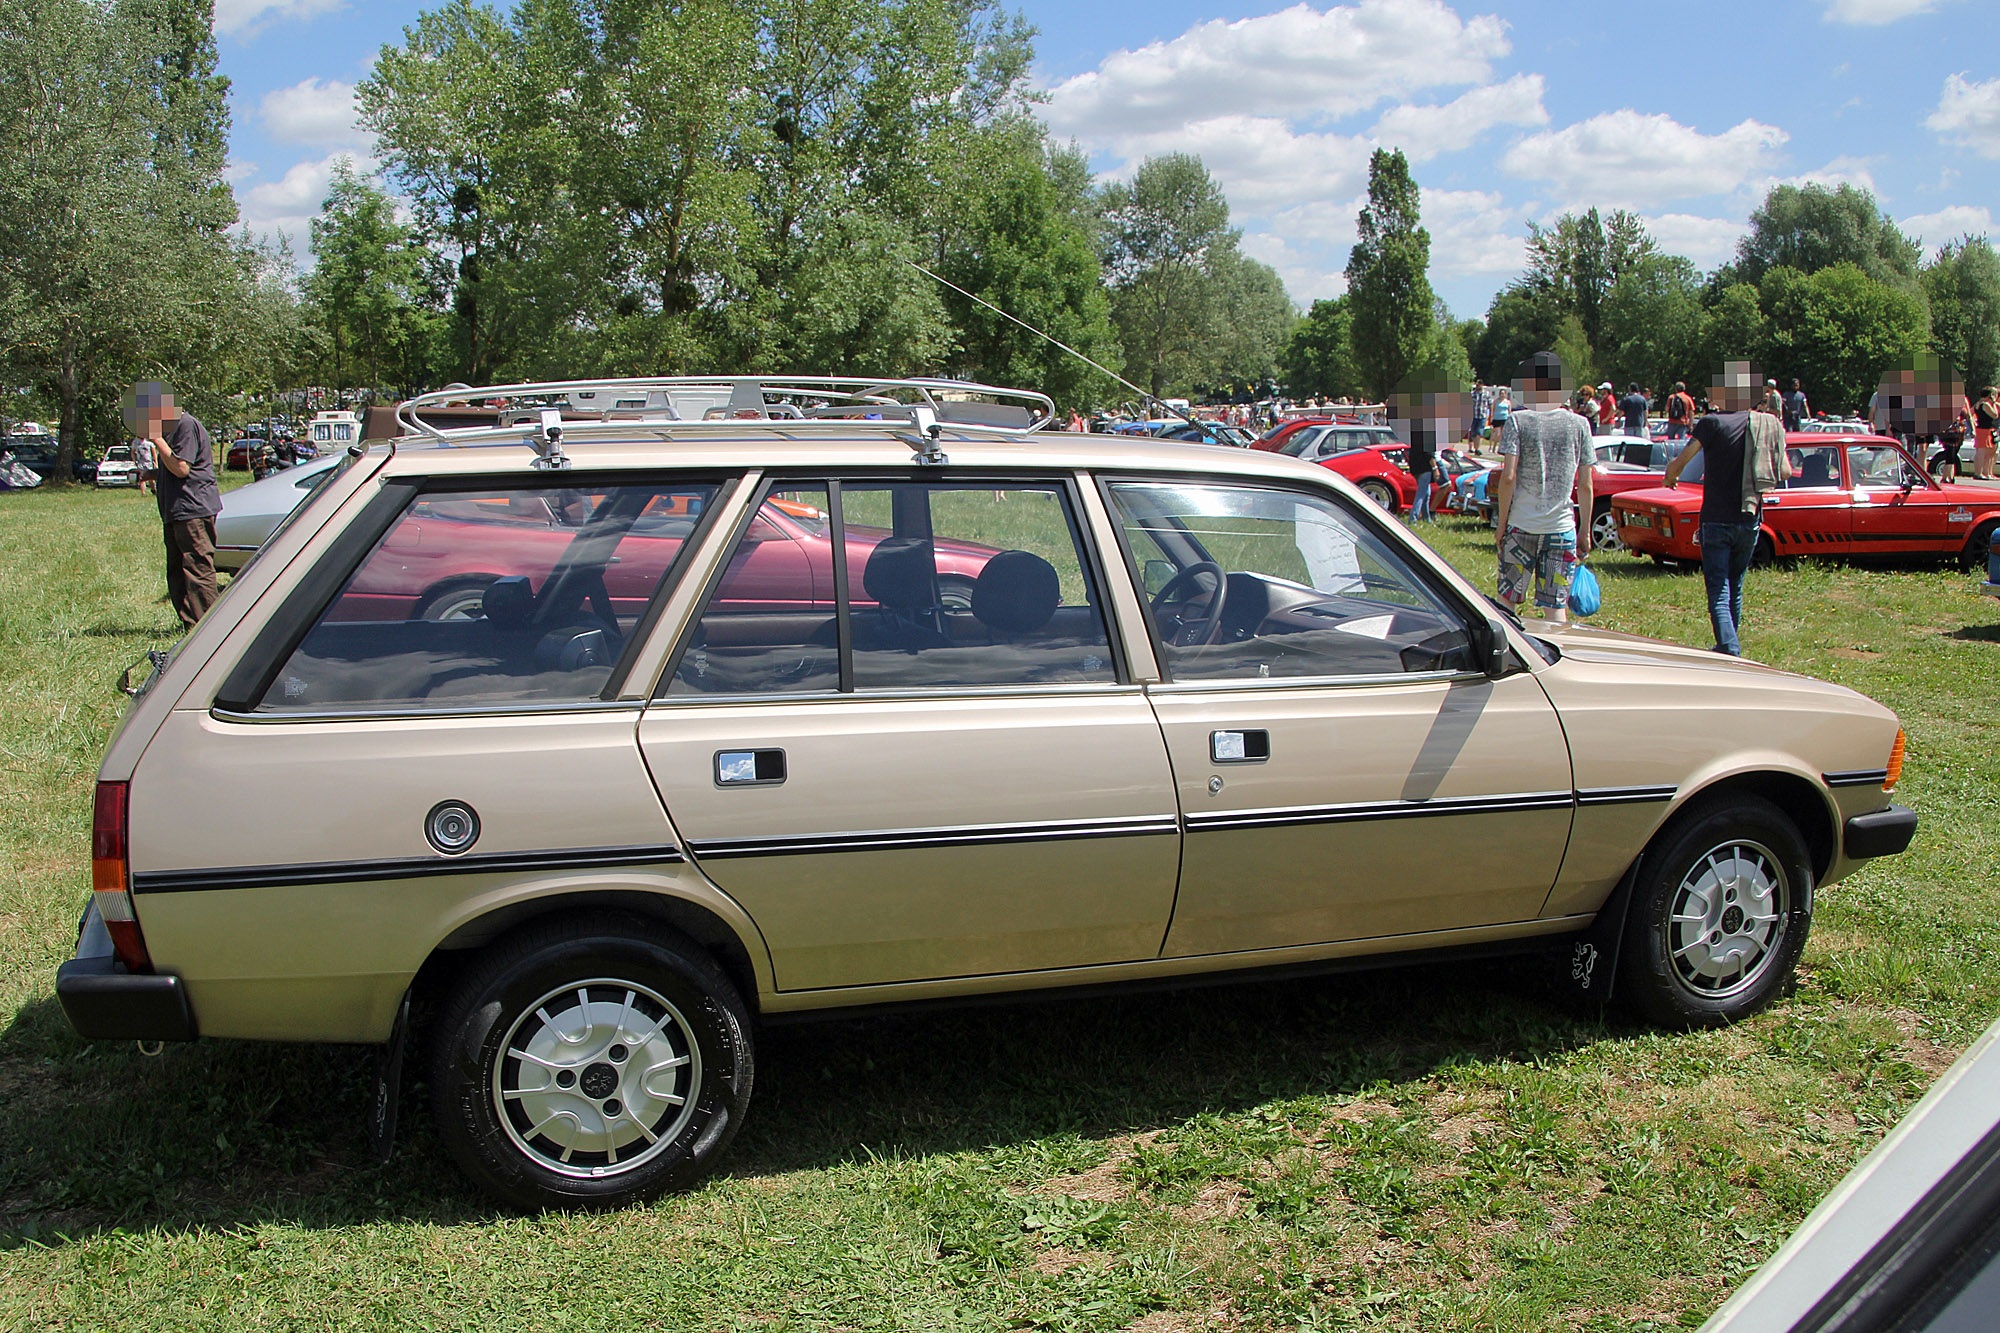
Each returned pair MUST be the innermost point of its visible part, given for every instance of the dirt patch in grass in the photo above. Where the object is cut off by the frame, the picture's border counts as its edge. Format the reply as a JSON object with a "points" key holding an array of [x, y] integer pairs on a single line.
{"points": [[1100, 1184]]}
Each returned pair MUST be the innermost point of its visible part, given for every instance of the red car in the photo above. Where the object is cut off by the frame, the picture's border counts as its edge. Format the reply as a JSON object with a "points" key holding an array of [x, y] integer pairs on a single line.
{"points": [[1275, 438], [1853, 495], [437, 562], [1378, 470]]}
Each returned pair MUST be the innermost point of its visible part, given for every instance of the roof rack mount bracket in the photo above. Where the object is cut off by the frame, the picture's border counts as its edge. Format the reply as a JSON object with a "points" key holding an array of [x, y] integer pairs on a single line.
{"points": [[924, 440], [546, 440]]}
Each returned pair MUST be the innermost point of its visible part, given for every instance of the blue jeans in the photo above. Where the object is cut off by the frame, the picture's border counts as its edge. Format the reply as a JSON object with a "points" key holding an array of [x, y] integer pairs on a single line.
{"points": [[1726, 549], [1422, 508]]}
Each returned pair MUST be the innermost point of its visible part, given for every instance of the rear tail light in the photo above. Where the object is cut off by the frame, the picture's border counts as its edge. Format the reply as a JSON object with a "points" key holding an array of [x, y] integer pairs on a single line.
{"points": [[1895, 763], [110, 876]]}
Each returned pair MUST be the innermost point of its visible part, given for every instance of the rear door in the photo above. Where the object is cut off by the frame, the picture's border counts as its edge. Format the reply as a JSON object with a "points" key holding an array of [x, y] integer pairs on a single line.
{"points": [[905, 782], [1812, 513]]}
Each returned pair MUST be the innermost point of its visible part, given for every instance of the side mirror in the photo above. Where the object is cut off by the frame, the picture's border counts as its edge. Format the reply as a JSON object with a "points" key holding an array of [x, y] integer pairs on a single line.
{"points": [[1491, 646]]}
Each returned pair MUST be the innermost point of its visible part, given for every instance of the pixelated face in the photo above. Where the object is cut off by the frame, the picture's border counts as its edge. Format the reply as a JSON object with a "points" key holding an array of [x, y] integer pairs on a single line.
{"points": [[1919, 395], [1543, 382], [1433, 411], [1736, 386], [148, 406]]}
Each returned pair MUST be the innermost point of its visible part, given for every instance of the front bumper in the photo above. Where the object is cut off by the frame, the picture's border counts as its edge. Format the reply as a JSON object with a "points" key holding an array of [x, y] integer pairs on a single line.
{"points": [[104, 1002], [1885, 832]]}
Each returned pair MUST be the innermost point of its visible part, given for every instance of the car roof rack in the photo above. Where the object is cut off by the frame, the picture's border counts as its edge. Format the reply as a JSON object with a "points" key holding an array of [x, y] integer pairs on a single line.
{"points": [[933, 406]]}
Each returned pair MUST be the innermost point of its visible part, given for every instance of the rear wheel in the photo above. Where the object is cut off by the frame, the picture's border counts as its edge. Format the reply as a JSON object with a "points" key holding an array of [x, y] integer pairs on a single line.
{"points": [[462, 599], [1378, 491], [1604, 530], [591, 1065], [1719, 914]]}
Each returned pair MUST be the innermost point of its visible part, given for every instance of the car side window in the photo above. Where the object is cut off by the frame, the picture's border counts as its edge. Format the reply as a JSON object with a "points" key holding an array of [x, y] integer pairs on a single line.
{"points": [[482, 597], [1250, 582], [1880, 466], [947, 586], [1814, 467]]}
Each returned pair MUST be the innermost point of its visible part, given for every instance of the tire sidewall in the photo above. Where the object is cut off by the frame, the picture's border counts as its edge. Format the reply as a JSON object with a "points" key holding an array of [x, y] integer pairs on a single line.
{"points": [[495, 998], [1650, 982]]}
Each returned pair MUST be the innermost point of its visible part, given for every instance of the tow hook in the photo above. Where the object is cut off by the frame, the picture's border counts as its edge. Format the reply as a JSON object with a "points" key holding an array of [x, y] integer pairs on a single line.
{"points": [[150, 1048]]}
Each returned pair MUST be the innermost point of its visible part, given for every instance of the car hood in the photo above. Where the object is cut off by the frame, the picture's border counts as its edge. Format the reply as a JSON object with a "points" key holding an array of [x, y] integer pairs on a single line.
{"points": [[1588, 643]]}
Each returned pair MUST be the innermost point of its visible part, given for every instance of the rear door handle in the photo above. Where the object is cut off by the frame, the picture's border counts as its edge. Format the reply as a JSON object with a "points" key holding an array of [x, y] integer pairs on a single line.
{"points": [[1239, 747]]}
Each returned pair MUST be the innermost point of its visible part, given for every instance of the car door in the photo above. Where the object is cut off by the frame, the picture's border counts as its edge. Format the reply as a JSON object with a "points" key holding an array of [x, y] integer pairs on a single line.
{"points": [[1812, 512], [898, 786], [1342, 771], [1896, 507]]}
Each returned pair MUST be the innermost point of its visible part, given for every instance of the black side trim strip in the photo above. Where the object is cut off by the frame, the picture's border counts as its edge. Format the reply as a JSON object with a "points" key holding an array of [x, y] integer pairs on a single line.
{"points": [[1623, 795], [1858, 777], [413, 867], [908, 839], [1363, 810]]}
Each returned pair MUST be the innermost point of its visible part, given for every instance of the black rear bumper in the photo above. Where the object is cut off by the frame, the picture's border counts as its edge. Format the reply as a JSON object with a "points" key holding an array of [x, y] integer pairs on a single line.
{"points": [[1880, 832], [104, 1002]]}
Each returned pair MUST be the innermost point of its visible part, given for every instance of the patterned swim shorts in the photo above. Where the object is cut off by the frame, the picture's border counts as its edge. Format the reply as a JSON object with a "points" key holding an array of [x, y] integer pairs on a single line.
{"points": [[1549, 556]]}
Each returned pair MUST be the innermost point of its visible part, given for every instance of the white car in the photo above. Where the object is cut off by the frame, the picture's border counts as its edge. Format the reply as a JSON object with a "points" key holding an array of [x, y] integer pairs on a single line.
{"points": [[118, 467], [250, 513]]}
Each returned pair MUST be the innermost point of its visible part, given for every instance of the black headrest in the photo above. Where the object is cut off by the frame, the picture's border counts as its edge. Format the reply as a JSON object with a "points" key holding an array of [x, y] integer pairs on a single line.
{"points": [[902, 573], [508, 602], [1016, 593]]}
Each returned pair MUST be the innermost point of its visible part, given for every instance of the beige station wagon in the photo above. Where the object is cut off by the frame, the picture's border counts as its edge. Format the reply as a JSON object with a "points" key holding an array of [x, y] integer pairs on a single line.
{"points": [[747, 697]]}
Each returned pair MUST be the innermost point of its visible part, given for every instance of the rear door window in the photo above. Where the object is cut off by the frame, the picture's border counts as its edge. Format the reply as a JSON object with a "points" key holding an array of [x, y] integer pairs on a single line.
{"points": [[478, 597]]}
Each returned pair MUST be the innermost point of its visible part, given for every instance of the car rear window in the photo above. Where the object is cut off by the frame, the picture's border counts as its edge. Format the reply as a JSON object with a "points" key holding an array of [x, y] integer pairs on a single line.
{"points": [[482, 597]]}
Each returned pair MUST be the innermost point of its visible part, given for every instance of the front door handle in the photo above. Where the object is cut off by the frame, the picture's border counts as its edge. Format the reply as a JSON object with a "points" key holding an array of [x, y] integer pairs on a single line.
{"points": [[749, 768], [1239, 747]]}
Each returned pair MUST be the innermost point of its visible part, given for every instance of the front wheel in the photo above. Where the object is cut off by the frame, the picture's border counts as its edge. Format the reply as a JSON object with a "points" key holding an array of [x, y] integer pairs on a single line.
{"points": [[1978, 546], [1719, 915], [591, 1065]]}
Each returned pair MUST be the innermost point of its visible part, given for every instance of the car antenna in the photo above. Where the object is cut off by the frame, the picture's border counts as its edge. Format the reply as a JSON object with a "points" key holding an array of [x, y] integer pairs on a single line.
{"points": [[1058, 342]]}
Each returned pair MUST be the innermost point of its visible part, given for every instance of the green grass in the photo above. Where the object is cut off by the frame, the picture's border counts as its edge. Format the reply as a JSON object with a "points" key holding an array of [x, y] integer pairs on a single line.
{"points": [[1437, 1148]]}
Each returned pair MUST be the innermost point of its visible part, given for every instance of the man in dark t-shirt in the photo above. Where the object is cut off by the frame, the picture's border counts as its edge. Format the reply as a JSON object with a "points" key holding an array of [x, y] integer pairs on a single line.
{"points": [[183, 460], [1633, 405], [1797, 409], [1729, 520]]}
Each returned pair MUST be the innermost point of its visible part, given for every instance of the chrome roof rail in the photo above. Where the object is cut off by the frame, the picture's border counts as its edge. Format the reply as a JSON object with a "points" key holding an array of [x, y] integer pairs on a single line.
{"points": [[691, 402]]}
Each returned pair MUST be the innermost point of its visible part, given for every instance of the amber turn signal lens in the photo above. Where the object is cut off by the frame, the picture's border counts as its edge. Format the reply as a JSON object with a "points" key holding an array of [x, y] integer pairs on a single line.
{"points": [[1895, 762]]}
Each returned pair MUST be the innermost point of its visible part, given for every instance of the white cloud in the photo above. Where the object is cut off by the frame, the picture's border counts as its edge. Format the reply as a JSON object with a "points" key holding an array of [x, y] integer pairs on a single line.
{"points": [[290, 203], [1628, 158], [1425, 132], [1708, 242], [1304, 273], [1968, 114], [237, 171], [1473, 231], [1260, 161], [1948, 224], [243, 18], [1297, 62], [1856, 171], [315, 112], [1875, 13]]}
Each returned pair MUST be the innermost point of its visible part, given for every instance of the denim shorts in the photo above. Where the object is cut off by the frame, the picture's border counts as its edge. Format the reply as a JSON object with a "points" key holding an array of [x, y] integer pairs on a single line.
{"points": [[1549, 557]]}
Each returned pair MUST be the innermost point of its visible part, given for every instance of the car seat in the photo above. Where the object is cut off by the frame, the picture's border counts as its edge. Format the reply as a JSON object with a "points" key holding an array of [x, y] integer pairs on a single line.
{"points": [[1017, 593], [901, 579]]}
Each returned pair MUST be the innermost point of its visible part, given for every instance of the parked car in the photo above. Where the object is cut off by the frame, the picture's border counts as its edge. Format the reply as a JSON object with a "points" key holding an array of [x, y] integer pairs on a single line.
{"points": [[1452, 478], [250, 513], [1854, 495], [117, 467], [1209, 432], [1273, 439], [1201, 712], [243, 451], [1377, 469]]}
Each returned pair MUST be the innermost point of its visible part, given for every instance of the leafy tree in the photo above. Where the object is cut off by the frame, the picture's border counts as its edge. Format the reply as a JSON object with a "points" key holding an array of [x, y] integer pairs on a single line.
{"points": [[1253, 319], [1837, 330], [113, 259], [1732, 329], [1318, 360], [1572, 344], [1156, 243], [1388, 284], [1520, 321], [1580, 258], [367, 287], [1963, 287], [1811, 227], [1652, 325]]}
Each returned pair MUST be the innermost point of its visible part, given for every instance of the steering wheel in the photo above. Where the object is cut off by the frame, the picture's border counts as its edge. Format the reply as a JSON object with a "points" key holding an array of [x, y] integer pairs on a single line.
{"points": [[1203, 629]]}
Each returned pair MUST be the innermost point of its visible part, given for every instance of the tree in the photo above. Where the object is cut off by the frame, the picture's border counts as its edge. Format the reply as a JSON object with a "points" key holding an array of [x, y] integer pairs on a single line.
{"points": [[1811, 227], [1318, 361], [1253, 319], [1520, 321], [1652, 325], [1962, 286], [367, 286], [1388, 284], [1158, 234], [1581, 257], [114, 264], [1837, 330], [1732, 329]]}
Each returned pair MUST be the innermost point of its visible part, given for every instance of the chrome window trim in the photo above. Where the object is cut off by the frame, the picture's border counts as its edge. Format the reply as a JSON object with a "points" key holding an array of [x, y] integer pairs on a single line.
{"points": [[1314, 682], [907, 695], [221, 714]]}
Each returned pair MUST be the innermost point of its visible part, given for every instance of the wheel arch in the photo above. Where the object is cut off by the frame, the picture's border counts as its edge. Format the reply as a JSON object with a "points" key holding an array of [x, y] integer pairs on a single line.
{"points": [[708, 928], [1798, 798]]}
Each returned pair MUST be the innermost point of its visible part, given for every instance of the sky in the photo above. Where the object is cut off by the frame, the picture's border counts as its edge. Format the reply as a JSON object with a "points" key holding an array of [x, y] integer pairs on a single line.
{"points": [[1508, 113]]}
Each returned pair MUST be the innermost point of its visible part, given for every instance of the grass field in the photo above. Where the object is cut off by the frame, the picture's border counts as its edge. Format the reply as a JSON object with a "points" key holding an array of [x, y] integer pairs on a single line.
{"points": [[1419, 1149]]}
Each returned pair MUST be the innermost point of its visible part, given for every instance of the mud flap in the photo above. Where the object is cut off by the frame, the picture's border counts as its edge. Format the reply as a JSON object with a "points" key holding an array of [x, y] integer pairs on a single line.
{"points": [[389, 1085], [1593, 955]]}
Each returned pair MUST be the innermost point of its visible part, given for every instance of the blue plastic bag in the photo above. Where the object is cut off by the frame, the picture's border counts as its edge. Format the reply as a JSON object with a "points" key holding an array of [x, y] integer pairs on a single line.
{"points": [[1584, 597]]}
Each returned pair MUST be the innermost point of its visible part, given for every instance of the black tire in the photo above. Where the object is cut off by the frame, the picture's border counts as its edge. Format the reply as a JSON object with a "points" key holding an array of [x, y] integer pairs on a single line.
{"points": [[1764, 554], [1604, 530], [1379, 493], [1978, 545], [1696, 959], [635, 993], [458, 599]]}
